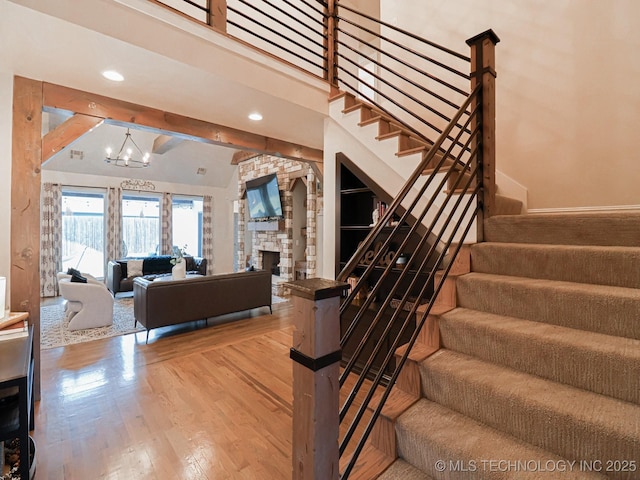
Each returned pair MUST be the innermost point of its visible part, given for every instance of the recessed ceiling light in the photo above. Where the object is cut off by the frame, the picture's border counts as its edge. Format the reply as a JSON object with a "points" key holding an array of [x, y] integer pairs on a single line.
{"points": [[255, 116], [113, 75]]}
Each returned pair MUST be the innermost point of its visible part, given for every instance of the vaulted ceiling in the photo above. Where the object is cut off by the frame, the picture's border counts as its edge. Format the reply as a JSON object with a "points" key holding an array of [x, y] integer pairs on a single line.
{"points": [[185, 161]]}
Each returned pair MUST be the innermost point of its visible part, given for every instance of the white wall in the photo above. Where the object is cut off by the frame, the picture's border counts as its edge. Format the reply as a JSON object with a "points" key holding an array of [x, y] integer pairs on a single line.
{"points": [[568, 102], [6, 102], [223, 224], [299, 220], [222, 208]]}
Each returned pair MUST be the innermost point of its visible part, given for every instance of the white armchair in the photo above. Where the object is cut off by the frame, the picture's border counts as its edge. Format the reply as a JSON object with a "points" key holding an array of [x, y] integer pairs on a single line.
{"points": [[89, 305], [90, 278]]}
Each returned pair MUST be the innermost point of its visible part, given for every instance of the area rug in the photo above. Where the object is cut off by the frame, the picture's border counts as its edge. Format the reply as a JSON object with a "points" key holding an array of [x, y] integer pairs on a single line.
{"points": [[54, 329]]}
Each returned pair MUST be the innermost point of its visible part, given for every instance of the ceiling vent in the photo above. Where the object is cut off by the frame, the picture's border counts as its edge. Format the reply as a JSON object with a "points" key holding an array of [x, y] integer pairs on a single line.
{"points": [[201, 171], [79, 154]]}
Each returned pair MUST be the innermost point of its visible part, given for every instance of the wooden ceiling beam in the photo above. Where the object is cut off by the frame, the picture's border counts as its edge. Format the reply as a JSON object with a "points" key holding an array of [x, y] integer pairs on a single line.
{"points": [[163, 143], [243, 156], [318, 169], [118, 112], [66, 133]]}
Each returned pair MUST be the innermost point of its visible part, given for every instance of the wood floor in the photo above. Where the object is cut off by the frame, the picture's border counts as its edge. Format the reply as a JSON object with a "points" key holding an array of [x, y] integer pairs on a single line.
{"points": [[205, 403]]}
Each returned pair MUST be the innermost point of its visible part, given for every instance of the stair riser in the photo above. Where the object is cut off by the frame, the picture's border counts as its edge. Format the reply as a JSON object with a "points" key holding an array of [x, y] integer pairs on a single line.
{"points": [[508, 206], [613, 266], [600, 310], [521, 346], [432, 452], [607, 435], [613, 229]]}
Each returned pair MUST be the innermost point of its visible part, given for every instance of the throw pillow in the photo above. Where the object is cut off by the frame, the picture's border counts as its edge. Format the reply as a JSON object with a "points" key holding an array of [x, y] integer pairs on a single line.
{"points": [[134, 268], [75, 277], [190, 263], [72, 271], [157, 264]]}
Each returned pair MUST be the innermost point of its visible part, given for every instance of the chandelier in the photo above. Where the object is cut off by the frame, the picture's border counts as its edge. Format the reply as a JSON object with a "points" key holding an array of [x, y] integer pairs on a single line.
{"points": [[129, 154]]}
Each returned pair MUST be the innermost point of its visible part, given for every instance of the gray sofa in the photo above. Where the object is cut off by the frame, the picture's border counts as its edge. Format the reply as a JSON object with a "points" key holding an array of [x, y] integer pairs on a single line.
{"points": [[118, 279], [168, 302]]}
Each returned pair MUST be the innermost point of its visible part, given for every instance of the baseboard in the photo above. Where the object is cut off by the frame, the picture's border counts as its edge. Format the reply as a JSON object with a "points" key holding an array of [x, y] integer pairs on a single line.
{"points": [[610, 208]]}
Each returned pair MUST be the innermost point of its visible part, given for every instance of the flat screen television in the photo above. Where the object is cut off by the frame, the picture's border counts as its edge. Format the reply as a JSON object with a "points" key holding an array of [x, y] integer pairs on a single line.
{"points": [[263, 197]]}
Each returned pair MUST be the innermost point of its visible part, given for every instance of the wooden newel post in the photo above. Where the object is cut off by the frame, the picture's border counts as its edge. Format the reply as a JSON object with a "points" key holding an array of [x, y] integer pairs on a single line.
{"points": [[316, 356], [483, 71]]}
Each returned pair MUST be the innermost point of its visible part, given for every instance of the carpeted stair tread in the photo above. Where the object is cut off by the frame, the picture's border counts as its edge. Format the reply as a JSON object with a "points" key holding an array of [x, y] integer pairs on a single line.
{"points": [[572, 423], [428, 433], [597, 308], [615, 266], [401, 470], [611, 228], [592, 361]]}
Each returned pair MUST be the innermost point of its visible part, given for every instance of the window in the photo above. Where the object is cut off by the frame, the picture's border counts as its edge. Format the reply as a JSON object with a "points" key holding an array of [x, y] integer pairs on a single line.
{"points": [[83, 231], [187, 224], [140, 225]]}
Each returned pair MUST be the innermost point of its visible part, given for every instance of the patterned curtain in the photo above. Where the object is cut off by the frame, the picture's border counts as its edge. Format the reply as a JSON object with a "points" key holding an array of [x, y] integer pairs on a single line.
{"points": [[50, 239], [207, 231], [114, 225], [167, 224]]}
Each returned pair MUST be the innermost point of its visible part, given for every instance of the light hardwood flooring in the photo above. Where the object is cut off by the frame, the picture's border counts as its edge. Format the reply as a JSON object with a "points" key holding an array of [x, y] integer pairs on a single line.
{"points": [[195, 403]]}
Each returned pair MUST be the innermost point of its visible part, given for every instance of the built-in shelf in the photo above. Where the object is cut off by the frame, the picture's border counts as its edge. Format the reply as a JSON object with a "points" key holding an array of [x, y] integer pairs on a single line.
{"points": [[357, 196], [349, 191]]}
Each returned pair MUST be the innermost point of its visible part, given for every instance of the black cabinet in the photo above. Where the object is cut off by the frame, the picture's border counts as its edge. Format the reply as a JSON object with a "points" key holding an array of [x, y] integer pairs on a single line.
{"points": [[16, 395]]}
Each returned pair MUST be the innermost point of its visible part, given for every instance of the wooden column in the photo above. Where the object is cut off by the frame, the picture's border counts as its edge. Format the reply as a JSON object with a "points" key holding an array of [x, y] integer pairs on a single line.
{"points": [[25, 207], [218, 14], [332, 45], [483, 71], [316, 358]]}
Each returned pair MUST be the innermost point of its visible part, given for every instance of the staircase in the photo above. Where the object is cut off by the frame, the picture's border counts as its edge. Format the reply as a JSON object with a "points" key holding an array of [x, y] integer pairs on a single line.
{"points": [[390, 153], [529, 363], [538, 371], [540, 360]]}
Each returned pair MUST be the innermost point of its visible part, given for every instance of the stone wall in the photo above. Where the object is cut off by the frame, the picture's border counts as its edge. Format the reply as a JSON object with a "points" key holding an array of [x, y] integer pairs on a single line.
{"points": [[288, 172]]}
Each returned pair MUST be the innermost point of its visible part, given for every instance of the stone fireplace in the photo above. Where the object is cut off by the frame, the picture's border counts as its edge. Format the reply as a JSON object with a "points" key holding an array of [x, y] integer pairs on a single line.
{"points": [[275, 245]]}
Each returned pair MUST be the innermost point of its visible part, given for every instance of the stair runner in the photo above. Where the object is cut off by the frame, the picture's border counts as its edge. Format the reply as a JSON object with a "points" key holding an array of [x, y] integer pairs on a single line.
{"points": [[539, 371]]}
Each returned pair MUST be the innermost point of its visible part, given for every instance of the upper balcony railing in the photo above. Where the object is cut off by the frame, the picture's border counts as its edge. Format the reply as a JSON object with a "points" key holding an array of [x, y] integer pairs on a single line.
{"points": [[291, 30]]}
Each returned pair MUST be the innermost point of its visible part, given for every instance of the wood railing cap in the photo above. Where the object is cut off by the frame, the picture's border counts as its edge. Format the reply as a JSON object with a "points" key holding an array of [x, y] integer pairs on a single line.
{"points": [[316, 288], [481, 36]]}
